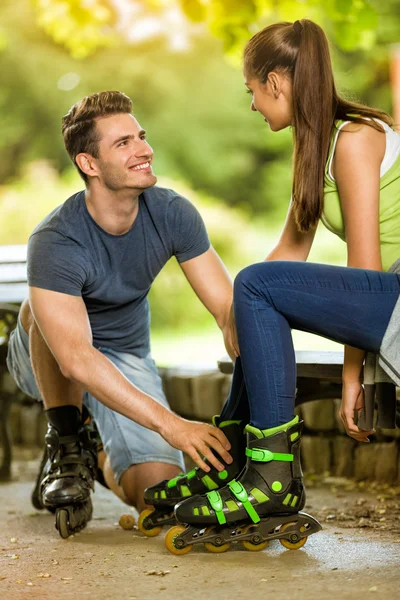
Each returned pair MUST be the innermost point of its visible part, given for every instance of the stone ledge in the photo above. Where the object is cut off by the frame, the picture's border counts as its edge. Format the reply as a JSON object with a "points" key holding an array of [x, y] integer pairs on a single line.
{"points": [[200, 394]]}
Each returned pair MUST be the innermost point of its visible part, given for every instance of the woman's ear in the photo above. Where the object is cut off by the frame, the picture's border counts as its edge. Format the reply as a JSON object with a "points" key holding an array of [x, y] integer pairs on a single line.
{"points": [[275, 83]]}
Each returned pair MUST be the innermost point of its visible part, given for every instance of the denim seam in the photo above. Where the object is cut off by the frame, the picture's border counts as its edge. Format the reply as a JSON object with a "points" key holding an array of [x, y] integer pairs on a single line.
{"points": [[322, 288], [260, 331], [121, 435]]}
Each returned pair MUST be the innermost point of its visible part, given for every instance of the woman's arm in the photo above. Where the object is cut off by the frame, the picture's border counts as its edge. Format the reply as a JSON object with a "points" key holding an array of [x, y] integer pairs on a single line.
{"points": [[356, 167], [292, 245]]}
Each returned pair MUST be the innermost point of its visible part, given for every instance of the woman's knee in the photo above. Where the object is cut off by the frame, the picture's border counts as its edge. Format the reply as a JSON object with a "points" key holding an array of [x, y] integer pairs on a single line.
{"points": [[252, 278]]}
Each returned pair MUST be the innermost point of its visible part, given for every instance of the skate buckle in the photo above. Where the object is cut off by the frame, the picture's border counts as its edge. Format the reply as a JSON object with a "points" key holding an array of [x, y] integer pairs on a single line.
{"points": [[260, 455]]}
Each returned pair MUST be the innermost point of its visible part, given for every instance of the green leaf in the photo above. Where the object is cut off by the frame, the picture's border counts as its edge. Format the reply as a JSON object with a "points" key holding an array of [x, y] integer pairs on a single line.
{"points": [[194, 9]]}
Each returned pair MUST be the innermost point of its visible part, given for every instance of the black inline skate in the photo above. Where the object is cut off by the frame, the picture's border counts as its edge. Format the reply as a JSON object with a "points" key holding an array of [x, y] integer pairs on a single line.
{"points": [[262, 504], [164, 495], [67, 473]]}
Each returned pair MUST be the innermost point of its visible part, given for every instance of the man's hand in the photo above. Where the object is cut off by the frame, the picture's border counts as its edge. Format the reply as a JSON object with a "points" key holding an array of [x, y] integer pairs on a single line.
{"points": [[230, 336], [197, 440], [353, 401]]}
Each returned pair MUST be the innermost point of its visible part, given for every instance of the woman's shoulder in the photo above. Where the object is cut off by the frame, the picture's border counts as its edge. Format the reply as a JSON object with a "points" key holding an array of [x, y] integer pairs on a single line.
{"points": [[355, 138]]}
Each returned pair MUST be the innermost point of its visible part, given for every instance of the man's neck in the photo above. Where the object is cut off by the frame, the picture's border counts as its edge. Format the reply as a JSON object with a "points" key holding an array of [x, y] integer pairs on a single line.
{"points": [[115, 212]]}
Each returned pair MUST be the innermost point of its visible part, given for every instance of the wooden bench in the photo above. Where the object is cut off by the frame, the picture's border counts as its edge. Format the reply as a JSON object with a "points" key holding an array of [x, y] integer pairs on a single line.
{"points": [[319, 374], [13, 290]]}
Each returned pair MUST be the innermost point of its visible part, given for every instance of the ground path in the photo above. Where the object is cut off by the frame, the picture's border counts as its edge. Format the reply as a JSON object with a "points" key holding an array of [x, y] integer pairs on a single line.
{"points": [[357, 555]]}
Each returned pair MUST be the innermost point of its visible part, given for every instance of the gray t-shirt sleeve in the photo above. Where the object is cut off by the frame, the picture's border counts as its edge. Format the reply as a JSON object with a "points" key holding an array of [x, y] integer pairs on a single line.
{"points": [[189, 234], [55, 263]]}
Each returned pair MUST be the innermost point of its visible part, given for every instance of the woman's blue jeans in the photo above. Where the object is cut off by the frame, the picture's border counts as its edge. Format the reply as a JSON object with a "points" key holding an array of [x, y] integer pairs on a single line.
{"points": [[350, 306]]}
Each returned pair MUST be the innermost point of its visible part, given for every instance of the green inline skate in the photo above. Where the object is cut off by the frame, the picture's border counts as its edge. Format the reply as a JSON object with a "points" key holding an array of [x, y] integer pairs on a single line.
{"points": [[261, 504], [164, 495]]}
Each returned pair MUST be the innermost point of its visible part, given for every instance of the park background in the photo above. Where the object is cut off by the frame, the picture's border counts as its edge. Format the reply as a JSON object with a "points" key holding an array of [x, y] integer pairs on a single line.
{"points": [[180, 62]]}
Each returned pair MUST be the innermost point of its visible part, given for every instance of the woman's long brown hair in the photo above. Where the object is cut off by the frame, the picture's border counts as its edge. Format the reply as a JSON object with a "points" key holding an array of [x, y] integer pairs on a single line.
{"points": [[300, 50]]}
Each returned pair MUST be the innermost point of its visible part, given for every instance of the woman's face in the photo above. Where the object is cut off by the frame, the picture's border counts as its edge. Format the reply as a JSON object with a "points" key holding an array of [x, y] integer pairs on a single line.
{"points": [[272, 99]]}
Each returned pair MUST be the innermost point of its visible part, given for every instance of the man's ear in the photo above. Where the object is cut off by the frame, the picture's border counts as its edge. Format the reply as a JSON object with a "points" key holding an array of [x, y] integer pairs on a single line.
{"points": [[87, 164]]}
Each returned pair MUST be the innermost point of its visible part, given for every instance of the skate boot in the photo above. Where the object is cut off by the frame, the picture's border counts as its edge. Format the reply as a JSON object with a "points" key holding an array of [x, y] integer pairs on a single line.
{"points": [[164, 495], [71, 471], [92, 434], [36, 496], [261, 504]]}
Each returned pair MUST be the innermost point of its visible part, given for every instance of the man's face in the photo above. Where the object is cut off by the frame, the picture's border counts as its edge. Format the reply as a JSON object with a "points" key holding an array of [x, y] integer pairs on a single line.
{"points": [[125, 157]]}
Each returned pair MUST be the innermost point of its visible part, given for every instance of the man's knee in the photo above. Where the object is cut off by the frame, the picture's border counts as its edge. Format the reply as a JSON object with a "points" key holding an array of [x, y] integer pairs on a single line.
{"points": [[26, 317], [139, 477]]}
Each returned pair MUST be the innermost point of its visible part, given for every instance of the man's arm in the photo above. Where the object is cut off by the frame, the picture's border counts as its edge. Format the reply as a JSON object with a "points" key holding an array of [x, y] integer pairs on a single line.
{"points": [[212, 284], [64, 325]]}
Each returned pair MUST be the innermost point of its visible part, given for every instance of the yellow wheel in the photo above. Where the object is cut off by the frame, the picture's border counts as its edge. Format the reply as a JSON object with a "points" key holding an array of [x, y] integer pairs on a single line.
{"points": [[170, 538], [253, 547], [293, 545], [152, 532], [212, 547]]}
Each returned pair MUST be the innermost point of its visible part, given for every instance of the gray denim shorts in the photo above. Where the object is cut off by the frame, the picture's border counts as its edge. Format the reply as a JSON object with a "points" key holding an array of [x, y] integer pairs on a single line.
{"points": [[125, 442]]}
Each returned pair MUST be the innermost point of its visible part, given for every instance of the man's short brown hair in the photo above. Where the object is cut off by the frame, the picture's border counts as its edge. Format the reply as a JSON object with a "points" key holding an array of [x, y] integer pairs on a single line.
{"points": [[79, 124]]}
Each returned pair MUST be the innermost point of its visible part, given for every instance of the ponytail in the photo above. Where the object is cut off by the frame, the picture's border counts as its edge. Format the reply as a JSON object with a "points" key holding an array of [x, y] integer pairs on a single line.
{"points": [[301, 51]]}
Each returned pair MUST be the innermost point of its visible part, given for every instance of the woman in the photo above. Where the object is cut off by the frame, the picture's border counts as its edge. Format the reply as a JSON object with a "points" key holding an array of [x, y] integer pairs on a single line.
{"points": [[346, 173]]}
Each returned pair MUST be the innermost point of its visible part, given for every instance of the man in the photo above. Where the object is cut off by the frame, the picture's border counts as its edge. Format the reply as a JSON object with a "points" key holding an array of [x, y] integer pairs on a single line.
{"points": [[83, 335]]}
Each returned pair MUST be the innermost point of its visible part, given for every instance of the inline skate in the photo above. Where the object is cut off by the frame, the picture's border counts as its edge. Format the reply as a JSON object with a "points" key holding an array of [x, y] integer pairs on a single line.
{"points": [[67, 473], [263, 503], [166, 494]]}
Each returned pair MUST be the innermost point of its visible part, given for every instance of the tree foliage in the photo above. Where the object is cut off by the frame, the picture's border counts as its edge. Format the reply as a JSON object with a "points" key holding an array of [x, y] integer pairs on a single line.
{"points": [[84, 26], [191, 103]]}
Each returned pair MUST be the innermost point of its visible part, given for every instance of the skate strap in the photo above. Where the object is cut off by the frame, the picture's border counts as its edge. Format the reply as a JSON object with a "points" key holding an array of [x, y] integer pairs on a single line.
{"points": [[262, 455], [240, 493], [216, 504], [173, 482]]}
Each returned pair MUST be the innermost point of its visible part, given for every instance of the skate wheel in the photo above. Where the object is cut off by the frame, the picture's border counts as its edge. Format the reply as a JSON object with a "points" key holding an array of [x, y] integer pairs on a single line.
{"points": [[170, 541], [292, 545], [254, 547], [62, 523], [142, 526], [214, 547]]}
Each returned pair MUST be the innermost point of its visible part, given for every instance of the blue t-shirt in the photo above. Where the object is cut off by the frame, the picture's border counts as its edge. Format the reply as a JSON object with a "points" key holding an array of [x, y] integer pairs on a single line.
{"points": [[69, 252]]}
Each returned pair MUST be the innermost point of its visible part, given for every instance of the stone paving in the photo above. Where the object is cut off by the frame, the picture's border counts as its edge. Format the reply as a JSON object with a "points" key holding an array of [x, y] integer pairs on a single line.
{"points": [[348, 558]]}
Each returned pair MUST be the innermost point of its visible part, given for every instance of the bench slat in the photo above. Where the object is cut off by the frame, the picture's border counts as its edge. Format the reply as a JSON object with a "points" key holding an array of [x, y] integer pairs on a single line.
{"points": [[321, 364], [13, 254], [13, 273], [16, 292]]}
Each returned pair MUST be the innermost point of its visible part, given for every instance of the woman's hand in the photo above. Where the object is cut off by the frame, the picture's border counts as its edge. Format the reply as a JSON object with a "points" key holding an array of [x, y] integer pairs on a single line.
{"points": [[352, 402]]}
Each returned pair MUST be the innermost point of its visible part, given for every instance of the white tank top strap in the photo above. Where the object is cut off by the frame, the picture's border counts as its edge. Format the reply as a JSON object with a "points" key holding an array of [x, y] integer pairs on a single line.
{"points": [[334, 148], [392, 150]]}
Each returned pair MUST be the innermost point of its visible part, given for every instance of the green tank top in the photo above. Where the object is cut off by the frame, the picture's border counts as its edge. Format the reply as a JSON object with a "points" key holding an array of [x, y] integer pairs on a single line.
{"points": [[389, 207]]}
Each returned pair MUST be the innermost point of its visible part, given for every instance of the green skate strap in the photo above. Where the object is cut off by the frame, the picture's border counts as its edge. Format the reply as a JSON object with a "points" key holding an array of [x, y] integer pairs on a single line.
{"points": [[178, 478], [175, 480], [240, 493], [216, 504], [222, 424], [261, 455]]}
